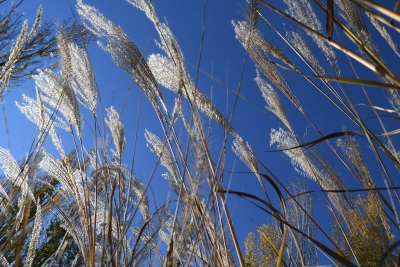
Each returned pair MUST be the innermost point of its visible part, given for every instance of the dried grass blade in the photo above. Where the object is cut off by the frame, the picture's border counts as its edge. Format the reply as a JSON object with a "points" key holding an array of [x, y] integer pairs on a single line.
{"points": [[329, 20], [282, 248], [382, 9], [355, 81], [319, 140]]}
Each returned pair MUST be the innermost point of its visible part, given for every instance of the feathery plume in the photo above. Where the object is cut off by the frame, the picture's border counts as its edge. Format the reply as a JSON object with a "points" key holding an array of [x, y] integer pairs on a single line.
{"points": [[3, 261], [123, 52], [66, 93], [302, 11], [117, 130], [35, 111], [298, 41], [244, 152], [353, 17], [174, 79], [273, 102], [83, 81], [300, 162], [252, 16], [244, 32], [310, 164], [158, 148], [10, 167], [262, 61], [35, 236], [36, 24], [382, 31], [13, 173], [147, 7], [60, 97], [16, 50]]}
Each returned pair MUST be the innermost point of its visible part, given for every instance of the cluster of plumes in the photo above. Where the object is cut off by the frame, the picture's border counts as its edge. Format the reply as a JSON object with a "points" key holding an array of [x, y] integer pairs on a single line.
{"points": [[16, 50], [96, 198], [259, 48], [95, 221], [303, 12], [58, 93], [169, 70], [55, 93], [199, 221], [123, 52]]}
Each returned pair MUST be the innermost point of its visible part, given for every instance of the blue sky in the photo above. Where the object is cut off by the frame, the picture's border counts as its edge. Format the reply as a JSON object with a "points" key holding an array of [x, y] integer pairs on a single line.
{"points": [[223, 58]]}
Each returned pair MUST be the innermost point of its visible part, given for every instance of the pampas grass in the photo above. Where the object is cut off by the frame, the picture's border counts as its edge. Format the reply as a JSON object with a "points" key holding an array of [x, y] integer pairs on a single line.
{"points": [[112, 218]]}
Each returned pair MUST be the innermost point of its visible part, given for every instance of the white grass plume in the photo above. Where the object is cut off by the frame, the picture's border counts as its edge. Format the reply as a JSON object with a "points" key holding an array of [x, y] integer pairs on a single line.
{"points": [[117, 130], [273, 102], [159, 149], [42, 116], [34, 239], [123, 51], [16, 50], [298, 41], [244, 31], [353, 17], [382, 31], [174, 79], [60, 97], [3, 261], [302, 11], [262, 61], [312, 165], [83, 81]]}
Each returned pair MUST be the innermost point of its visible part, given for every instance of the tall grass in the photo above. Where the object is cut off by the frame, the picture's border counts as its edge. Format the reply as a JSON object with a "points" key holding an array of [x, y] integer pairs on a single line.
{"points": [[108, 213]]}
